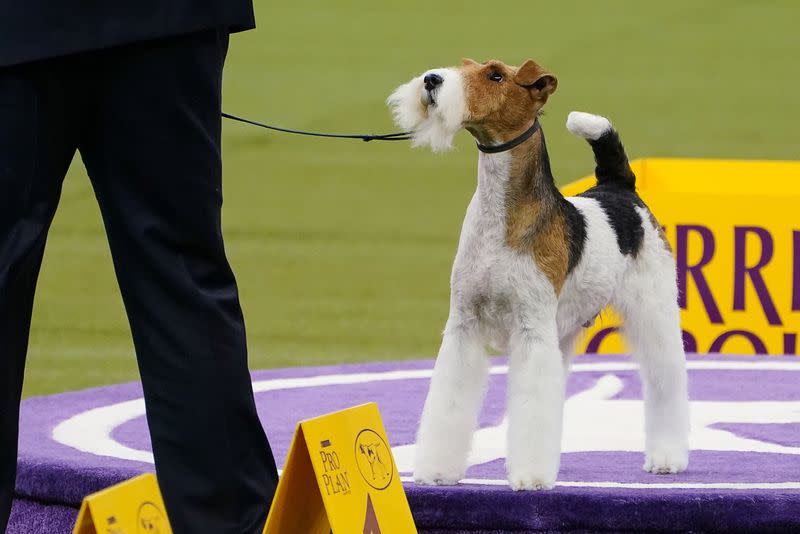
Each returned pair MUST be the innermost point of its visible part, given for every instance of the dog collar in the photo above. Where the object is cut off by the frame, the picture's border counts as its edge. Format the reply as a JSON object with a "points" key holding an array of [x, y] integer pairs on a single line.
{"points": [[510, 144]]}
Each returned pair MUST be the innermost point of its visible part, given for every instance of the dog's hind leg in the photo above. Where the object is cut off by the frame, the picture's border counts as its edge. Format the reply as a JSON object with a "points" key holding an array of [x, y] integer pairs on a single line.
{"points": [[536, 378], [648, 303], [451, 410]]}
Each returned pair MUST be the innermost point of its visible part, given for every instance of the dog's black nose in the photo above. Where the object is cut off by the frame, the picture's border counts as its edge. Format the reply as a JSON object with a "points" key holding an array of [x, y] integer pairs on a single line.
{"points": [[432, 81]]}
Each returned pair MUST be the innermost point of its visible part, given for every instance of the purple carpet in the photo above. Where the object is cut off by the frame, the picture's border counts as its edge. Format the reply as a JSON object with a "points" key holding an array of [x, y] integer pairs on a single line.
{"points": [[743, 476]]}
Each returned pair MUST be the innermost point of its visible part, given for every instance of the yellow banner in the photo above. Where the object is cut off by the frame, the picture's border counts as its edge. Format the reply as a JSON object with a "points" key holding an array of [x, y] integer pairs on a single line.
{"points": [[735, 232], [132, 507], [340, 475]]}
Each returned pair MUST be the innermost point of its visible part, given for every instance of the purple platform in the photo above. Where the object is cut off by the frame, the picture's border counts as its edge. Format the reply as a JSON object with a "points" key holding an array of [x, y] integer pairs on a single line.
{"points": [[743, 476]]}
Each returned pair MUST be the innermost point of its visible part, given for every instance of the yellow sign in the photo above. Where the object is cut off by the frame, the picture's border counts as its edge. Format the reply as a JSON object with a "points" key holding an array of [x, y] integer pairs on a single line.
{"points": [[340, 476], [735, 232], [132, 507]]}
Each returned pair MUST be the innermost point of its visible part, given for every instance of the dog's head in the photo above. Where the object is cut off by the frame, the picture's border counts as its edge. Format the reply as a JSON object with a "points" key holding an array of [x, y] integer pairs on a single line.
{"points": [[495, 102]]}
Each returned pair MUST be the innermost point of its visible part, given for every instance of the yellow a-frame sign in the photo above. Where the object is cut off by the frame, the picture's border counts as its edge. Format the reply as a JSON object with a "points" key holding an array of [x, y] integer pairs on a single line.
{"points": [[340, 476], [134, 506]]}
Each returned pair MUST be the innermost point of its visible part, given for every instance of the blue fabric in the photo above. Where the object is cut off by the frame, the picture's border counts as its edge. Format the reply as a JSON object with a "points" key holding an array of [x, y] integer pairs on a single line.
{"points": [[39, 29]]}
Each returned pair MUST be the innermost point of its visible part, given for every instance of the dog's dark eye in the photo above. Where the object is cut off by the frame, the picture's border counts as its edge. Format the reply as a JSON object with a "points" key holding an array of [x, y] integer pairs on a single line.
{"points": [[496, 76]]}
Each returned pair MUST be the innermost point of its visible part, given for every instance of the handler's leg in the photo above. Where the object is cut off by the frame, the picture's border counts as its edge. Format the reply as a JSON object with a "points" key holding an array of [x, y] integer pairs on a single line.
{"points": [[154, 160], [37, 142]]}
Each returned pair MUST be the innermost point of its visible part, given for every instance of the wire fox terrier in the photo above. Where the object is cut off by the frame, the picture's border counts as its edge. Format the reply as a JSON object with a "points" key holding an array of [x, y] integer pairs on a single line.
{"points": [[532, 269]]}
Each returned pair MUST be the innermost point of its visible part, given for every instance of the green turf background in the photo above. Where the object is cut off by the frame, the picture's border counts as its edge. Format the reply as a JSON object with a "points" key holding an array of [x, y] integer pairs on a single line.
{"points": [[343, 249]]}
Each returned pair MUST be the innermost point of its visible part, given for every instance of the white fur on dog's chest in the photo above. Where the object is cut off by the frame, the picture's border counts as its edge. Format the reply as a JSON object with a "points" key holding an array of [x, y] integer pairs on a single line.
{"points": [[497, 287], [485, 280], [492, 283]]}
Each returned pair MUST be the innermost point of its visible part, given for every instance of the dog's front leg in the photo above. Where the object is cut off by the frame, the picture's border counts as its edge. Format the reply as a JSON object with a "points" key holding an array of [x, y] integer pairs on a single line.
{"points": [[451, 410], [536, 381]]}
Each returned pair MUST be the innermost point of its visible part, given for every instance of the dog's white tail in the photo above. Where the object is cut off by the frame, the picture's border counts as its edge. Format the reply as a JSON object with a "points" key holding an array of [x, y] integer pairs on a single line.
{"points": [[612, 162]]}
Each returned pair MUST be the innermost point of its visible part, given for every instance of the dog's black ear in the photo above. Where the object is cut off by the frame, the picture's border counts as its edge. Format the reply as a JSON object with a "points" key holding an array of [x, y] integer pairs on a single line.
{"points": [[540, 82]]}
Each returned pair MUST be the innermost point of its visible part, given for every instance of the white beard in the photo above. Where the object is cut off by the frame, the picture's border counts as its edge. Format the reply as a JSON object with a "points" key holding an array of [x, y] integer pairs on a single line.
{"points": [[433, 125]]}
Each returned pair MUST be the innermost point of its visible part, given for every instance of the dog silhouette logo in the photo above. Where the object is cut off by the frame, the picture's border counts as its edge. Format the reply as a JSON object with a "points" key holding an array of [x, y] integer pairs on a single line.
{"points": [[374, 459], [150, 519]]}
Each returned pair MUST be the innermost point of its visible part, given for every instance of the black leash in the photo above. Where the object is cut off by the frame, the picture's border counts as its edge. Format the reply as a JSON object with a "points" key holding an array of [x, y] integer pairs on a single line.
{"points": [[399, 136], [511, 144]]}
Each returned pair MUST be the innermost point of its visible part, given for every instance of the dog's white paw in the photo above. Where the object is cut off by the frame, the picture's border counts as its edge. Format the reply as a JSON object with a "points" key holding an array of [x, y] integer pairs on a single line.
{"points": [[439, 465], [531, 483], [436, 478], [436, 466], [531, 471], [667, 460], [532, 476]]}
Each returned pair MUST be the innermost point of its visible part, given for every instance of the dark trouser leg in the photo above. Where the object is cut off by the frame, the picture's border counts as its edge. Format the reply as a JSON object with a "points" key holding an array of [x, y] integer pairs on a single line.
{"points": [[37, 142], [154, 159]]}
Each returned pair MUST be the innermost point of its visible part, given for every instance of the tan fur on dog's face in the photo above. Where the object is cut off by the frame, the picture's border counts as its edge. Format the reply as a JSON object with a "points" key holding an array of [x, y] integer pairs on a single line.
{"points": [[503, 100], [493, 101]]}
